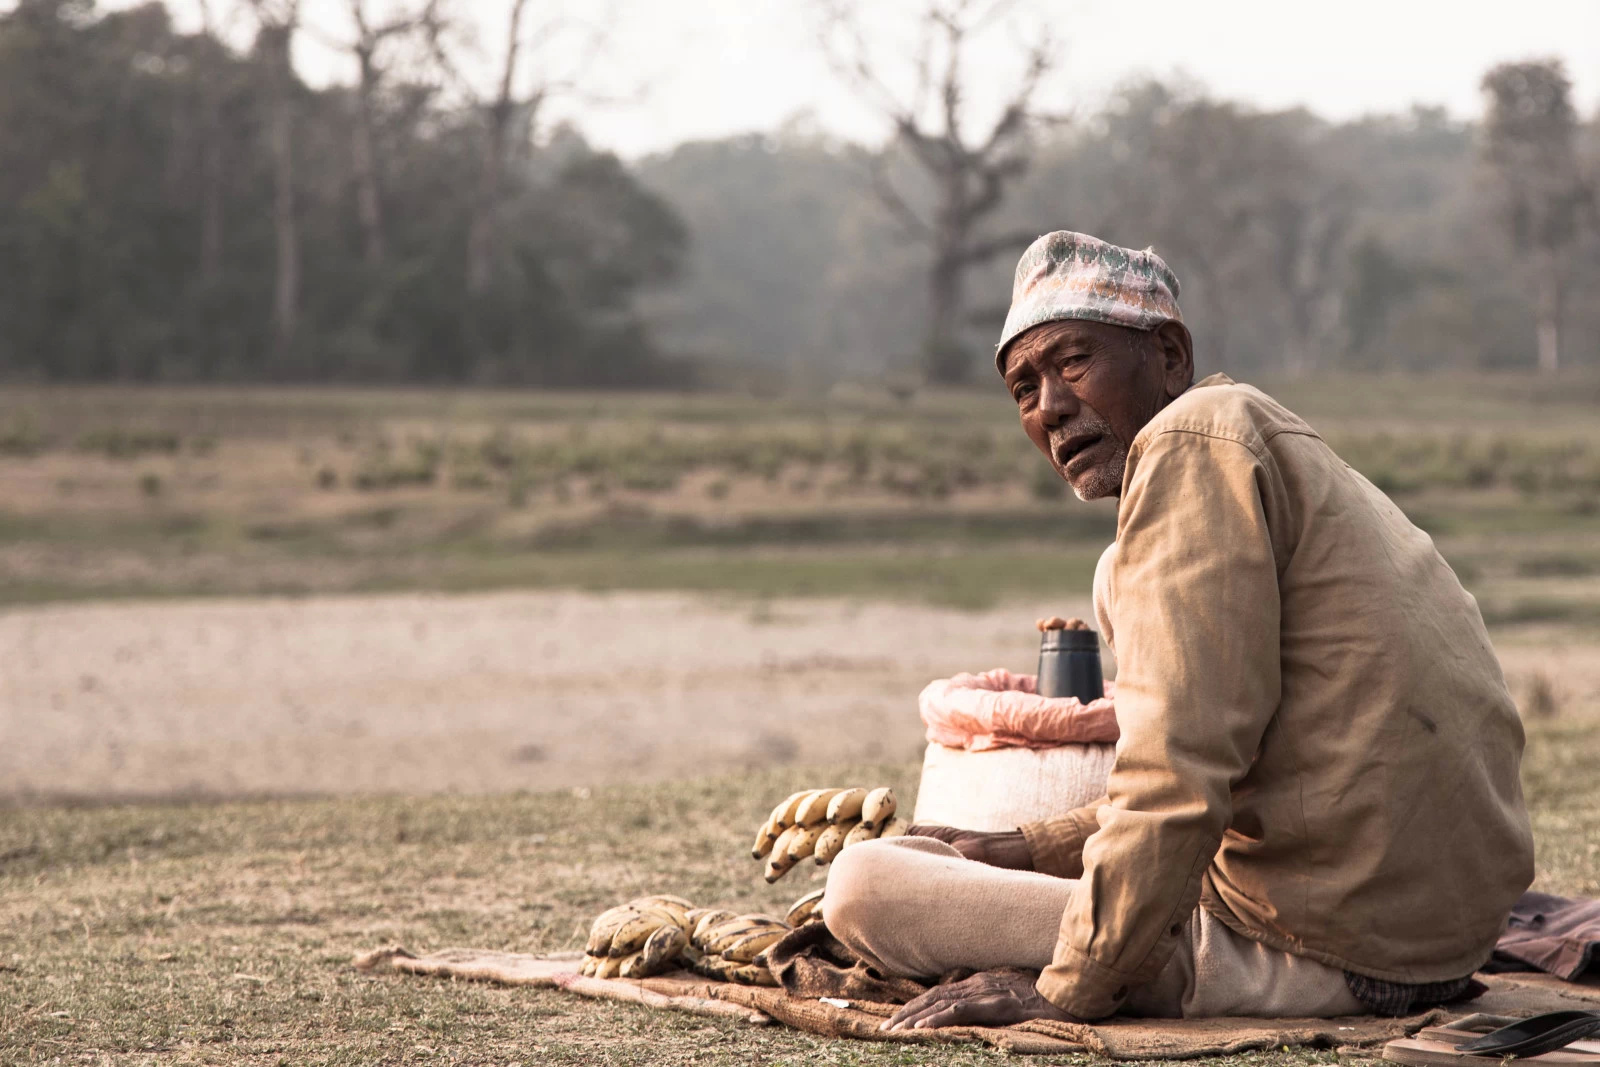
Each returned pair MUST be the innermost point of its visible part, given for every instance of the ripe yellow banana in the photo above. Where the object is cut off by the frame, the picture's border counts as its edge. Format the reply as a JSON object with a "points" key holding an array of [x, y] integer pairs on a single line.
{"points": [[729, 971], [751, 974], [587, 967], [711, 919], [748, 947], [814, 808], [636, 931], [765, 837], [846, 805], [778, 861], [805, 909], [804, 841], [877, 807], [609, 967], [862, 832], [725, 933], [718, 939], [660, 952], [669, 906], [782, 816], [713, 966], [895, 827], [831, 840], [605, 928]]}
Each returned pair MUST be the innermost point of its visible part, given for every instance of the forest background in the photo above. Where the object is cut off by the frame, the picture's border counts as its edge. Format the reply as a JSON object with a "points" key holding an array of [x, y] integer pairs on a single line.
{"points": [[181, 207]]}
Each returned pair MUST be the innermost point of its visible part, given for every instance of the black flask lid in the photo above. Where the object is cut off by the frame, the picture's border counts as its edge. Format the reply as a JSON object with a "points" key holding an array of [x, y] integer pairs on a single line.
{"points": [[1069, 641]]}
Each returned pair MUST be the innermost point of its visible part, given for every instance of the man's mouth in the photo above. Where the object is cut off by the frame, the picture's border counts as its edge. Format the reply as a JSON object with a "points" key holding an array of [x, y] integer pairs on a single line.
{"points": [[1075, 446]]}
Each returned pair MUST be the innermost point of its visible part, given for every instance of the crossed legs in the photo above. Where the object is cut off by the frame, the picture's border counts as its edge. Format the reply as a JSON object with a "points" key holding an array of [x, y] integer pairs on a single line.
{"points": [[917, 907]]}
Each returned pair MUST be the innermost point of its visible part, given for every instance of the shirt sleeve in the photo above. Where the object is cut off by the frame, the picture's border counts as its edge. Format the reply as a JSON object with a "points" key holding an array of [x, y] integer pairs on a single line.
{"points": [[1195, 589], [1057, 843]]}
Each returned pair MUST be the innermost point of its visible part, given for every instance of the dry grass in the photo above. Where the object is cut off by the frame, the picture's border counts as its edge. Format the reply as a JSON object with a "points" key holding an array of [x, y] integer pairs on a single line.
{"points": [[222, 934]]}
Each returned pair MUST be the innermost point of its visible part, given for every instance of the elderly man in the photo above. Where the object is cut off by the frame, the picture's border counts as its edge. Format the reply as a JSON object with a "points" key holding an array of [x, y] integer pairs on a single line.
{"points": [[1315, 808]]}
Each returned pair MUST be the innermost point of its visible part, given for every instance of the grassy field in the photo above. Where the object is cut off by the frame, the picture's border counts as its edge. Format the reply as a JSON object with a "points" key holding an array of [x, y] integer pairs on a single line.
{"points": [[223, 933], [130, 492]]}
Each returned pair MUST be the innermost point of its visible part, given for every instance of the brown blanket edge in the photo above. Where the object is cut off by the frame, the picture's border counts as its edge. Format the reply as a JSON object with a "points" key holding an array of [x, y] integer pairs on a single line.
{"points": [[1129, 1040], [397, 958]]}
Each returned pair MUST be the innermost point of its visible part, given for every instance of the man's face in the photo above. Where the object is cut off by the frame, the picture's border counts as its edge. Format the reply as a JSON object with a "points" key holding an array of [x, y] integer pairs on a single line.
{"points": [[1085, 389]]}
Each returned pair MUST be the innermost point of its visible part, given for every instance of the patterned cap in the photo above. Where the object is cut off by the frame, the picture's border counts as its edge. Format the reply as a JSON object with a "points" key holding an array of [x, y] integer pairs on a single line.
{"points": [[1066, 275]]}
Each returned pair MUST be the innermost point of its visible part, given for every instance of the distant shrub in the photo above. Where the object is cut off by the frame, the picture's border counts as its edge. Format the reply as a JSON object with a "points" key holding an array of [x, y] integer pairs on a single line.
{"points": [[381, 470], [499, 449], [472, 478], [647, 479], [21, 439], [1556, 566], [1539, 699], [1527, 479], [117, 443]]}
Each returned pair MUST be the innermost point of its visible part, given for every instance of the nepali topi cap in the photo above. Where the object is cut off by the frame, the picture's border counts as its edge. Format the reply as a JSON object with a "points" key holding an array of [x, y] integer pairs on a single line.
{"points": [[1067, 275]]}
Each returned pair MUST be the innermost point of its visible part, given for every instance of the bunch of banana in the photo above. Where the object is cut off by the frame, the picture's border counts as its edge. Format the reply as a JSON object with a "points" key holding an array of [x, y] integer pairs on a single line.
{"points": [[641, 938], [820, 822], [730, 947]]}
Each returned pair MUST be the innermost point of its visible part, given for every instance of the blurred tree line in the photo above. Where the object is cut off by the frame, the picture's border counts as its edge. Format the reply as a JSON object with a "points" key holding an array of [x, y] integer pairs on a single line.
{"points": [[1392, 242], [176, 209], [172, 209]]}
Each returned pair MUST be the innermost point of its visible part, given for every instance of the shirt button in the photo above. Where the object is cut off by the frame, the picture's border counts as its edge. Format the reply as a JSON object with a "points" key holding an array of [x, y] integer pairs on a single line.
{"points": [[1177, 928]]}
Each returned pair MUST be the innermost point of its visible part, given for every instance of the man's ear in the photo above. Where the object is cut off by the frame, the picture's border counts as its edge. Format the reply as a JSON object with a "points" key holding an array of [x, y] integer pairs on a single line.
{"points": [[1177, 356]]}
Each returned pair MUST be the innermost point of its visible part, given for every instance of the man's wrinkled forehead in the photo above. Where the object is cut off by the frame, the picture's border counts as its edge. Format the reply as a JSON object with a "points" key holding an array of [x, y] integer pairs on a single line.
{"points": [[1050, 335]]}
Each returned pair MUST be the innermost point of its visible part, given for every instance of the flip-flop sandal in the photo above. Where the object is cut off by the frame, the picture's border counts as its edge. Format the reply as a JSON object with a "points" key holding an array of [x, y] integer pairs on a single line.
{"points": [[1557, 1039], [1535, 1036]]}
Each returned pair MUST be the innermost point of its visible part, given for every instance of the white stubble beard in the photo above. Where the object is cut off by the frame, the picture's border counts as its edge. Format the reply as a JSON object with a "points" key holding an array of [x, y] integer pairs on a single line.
{"points": [[1104, 480]]}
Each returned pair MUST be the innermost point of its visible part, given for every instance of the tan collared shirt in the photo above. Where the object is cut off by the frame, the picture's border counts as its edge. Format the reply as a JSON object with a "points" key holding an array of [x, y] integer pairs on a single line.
{"points": [[1318, 746]]}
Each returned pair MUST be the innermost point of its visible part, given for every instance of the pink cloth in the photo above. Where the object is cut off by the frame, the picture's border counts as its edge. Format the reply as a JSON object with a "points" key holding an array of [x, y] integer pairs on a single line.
{"points": [[998, 709]]}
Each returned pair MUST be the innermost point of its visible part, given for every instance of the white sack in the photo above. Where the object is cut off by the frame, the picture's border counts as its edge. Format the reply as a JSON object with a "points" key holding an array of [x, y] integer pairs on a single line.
{"points": [[1002, 788]]}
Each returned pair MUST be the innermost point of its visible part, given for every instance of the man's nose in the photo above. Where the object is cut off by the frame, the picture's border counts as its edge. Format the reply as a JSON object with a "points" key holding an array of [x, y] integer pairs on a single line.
{"points": [[1057, 403]]}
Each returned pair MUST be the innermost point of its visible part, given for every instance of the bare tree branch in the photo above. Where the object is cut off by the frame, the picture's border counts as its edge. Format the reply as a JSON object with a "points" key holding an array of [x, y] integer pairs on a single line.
{"points": [[969, 180], [913, 224]]}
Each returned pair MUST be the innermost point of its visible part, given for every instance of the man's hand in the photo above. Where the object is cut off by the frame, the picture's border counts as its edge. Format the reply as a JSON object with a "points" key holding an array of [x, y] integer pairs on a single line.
{"points": [[1008, 849], [988, 998]]}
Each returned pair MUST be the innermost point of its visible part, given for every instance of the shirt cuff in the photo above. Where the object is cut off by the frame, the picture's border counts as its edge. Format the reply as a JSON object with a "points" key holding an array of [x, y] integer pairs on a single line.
{"points": [[1083, 988], [1057, 843]]}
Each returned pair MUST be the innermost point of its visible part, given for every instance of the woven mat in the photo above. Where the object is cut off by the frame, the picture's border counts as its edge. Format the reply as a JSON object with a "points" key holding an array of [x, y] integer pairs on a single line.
{"points": [[1120, 1039]]}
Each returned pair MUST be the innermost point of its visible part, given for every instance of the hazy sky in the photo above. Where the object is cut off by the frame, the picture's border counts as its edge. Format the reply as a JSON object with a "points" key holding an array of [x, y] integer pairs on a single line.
{"points": [[708, 68]]}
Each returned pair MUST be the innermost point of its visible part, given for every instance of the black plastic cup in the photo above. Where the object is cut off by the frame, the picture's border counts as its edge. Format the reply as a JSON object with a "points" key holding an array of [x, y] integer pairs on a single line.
{"points": [[1069, 665]]}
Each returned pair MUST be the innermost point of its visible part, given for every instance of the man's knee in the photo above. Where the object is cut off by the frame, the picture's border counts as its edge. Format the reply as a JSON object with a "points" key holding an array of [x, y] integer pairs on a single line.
{"points": [[847, 903]]}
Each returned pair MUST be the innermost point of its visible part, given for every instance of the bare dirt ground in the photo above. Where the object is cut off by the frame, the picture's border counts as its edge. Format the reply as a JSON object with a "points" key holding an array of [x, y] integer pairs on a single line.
{"points": [[472, 693], [505, 691]]}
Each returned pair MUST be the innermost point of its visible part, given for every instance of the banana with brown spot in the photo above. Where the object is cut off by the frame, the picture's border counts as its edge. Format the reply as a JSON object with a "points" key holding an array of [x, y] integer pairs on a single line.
{"points": [[814, 808], [878, 806], [806, 909], [846, 805], [831, 841]]}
